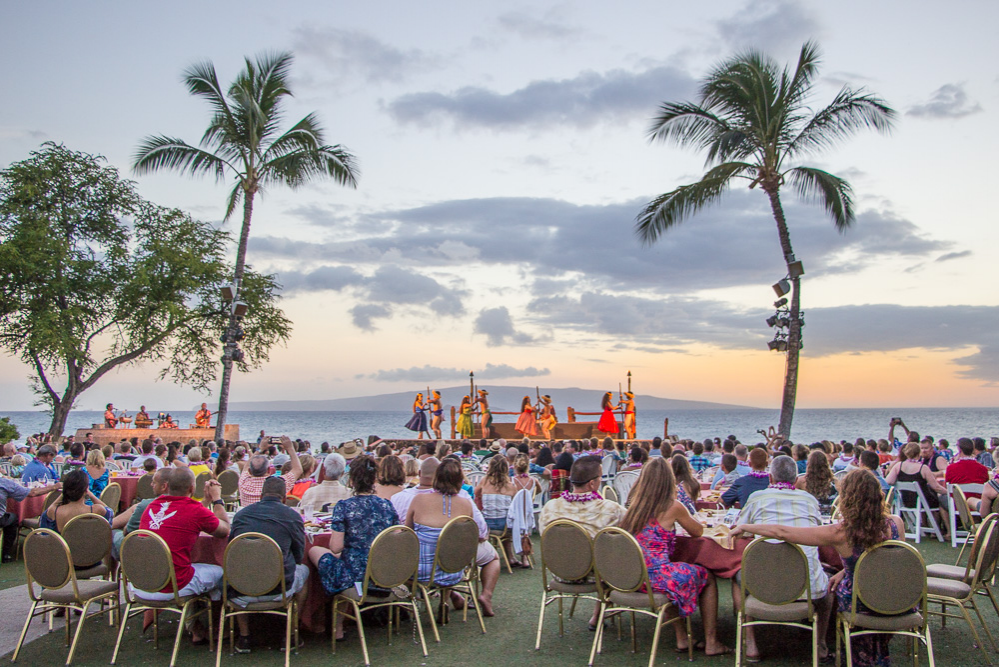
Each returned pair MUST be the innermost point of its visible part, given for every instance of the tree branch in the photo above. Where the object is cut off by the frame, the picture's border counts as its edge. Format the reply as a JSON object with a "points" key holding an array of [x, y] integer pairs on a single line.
{"points": [[54, 397]]}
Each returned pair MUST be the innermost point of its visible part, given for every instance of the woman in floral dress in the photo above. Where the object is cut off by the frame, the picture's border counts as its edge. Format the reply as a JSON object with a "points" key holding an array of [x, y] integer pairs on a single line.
{"points": [[652, 517], [864, 522], [355, 523]]}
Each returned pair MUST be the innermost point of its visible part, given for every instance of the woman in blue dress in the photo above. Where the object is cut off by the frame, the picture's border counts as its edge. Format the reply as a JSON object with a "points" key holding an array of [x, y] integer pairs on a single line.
{"points": [[97, 472], [652, 516], [864, 522], [418, 422], [355, 523]]}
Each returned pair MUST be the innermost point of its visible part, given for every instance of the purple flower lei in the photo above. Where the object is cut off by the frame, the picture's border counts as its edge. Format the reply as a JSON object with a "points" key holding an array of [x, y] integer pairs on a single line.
{"points": [[759, 474], [580, 497], [786, 486]]}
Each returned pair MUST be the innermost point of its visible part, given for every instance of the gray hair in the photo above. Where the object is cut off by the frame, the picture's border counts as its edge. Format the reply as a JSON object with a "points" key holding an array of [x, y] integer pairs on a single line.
{"points": [[783, 469], [259, 465], [334, 465]]}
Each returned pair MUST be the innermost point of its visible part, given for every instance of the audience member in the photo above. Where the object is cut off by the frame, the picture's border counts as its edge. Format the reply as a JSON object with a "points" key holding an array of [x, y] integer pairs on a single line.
{"points": [[41, 469], [756, 480], [252, 479], [11, 490]]}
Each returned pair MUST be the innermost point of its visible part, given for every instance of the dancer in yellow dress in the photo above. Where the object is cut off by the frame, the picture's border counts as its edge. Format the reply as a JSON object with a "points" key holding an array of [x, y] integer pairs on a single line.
{"points": [[486, 417], [547, 420], [628, 404], [465, 427]]}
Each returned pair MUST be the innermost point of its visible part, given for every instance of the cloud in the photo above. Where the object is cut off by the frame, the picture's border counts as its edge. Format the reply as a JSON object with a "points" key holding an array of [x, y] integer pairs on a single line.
{"points": [[427, 373], [769, 26], [323, 278], [948, 101], [497, 326], [954, 255], [364, 314], [526, 26], [582, 101], [346, 52]]}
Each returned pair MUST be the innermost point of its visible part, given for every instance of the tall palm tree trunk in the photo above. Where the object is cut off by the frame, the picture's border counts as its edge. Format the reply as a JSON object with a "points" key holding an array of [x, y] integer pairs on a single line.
{"points": [[230, 333], [794, 330]]}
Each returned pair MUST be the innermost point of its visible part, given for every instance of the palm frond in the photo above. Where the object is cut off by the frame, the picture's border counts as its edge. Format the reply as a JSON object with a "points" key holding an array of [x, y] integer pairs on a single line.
{"points": [[298, 166], [801, 83], [685, 124], [162, 152], [850, 110], [235, 195], [670, 209], [305, 134], [833, 192]]}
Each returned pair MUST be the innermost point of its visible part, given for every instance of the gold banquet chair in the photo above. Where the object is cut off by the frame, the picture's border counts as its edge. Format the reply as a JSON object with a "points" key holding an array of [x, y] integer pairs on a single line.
{"points": [[49, 564], [147, 565], [144, 488], [890, 580], [457, 547], [609, 493], [393, 561], [621, 571], [567, 553], [33, 523], [111, 496], [253, 566], [784, 599], [966, 572], [229, 480]]}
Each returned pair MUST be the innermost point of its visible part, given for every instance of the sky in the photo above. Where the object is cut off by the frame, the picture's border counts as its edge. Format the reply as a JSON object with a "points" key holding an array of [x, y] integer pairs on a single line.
{"points": [[504, 155]]}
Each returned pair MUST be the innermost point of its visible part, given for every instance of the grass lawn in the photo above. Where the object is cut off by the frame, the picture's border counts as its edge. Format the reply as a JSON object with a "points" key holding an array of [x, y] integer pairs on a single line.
{"points": [[510, 638]]}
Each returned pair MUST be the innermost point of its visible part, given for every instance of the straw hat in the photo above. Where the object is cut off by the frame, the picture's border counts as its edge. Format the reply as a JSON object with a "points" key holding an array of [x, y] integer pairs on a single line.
{"points": [[495, 447], [349, 450]]}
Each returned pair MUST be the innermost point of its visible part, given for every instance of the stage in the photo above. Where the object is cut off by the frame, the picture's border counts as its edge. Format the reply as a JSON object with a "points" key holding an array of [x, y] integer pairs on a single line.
{"points": [[109, 436]]}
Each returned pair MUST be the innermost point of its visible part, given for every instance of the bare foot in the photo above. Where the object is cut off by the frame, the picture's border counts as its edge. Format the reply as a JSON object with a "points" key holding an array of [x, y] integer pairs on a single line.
{"points": [[717, 648], [487, 606], [457, 601]]}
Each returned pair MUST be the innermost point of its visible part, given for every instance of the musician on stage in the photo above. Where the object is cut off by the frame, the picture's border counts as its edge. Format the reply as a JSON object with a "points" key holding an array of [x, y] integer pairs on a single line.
{"points": [[142, 418], [110, 421], [203, 417], [168, 422]]}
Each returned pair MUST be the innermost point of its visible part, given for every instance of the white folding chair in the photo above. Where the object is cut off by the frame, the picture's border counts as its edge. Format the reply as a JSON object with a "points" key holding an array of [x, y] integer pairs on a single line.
{"points": [[609, 466], [958, 536], [474, 477], [914, 515], [623, 482]]}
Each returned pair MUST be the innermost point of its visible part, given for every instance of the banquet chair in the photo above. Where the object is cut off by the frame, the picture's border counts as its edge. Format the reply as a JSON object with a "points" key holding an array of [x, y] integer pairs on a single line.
{"points": [[393, 562], [456, 550], [199, 486], [775, 600], [89, 540], [146, 565], [33, 523], [253, 567], [567, 553], [291, 501], [144, 488], [229, 481], [960, 518], [7, 469], [890, 580], [111, 496], [966, 573], [609, 493], [621, 573], [913, 516], [961, 594], [49, 564], [623, 482], [890, 497]]}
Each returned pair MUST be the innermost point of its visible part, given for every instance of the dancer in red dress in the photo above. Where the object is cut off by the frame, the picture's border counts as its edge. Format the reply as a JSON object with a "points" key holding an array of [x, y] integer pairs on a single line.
{"points": [[526, 423], [607, 423]]}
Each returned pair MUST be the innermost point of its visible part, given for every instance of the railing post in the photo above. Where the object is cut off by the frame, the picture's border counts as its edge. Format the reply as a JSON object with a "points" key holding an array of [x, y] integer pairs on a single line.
{"points": [[571, 414], [453, 424]]}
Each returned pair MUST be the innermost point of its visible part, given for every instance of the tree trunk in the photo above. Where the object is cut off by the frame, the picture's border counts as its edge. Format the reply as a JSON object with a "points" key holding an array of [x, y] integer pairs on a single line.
{"points": [[60, 413], [230, 343], [794, 330]]}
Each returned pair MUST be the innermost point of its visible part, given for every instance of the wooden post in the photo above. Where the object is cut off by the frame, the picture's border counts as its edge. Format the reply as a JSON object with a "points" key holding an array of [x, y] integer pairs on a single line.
{"points": [[453, 424], [666, 427], [571, 415]]}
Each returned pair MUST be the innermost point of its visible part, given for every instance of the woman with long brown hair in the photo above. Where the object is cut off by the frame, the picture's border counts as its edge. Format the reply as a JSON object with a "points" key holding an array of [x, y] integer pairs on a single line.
{"points": [[688, 488], [652, 517], [864, 522], [527, 424], [607, 423], [493, 496], [818, 479]]}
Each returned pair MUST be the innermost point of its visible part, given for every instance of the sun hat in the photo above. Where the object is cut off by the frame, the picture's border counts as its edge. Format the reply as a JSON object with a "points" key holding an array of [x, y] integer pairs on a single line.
{"points": [[495, 447], [349, 450]]}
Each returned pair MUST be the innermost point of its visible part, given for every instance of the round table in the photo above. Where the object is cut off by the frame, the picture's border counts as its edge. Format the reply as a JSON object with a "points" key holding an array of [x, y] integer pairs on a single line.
{"points": [[29, 508], [724, 563], [129, 488]]}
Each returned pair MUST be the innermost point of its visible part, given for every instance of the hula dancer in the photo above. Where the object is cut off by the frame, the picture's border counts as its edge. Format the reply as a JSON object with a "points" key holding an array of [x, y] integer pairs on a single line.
{"points": [[548, 419], [465, 427], [526, 423], [418, 422], [436, 413], [486, 418], [628, 403], [607, 423]]}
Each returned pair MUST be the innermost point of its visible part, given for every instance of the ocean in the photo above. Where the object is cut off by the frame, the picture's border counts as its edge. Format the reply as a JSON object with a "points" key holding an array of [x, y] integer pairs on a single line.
{"points": [[809, 424]]}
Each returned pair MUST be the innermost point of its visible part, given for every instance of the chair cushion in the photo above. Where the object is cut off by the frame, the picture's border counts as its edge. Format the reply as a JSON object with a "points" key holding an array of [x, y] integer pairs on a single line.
{"points": [[99, 570], [88, 591], [947, 588], [262, 605], [351, 594], [640, 600], [900, 622], [162, 604], [575, 589], [942, 571], [761, 611]]}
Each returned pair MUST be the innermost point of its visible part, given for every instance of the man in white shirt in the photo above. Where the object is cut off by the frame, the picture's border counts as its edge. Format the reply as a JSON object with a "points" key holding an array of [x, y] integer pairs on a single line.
{"points": [[782, 504], [147, 454]]}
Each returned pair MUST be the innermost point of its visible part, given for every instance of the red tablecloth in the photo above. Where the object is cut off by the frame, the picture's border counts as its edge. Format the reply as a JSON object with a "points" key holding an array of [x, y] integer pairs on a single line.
{"points": [[313, 614], [29, 508], [129, 487], [724, 562]]}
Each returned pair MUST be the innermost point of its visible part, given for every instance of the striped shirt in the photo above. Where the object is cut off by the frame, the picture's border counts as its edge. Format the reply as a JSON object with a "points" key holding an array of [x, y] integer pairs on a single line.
{"points": [[790, 507]]}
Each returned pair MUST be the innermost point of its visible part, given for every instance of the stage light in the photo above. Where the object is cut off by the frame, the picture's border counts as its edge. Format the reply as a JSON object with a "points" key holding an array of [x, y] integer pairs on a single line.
{"points": [[782, 287], [780, 303], [772, 321], [228, 293], [795, 270], [783, 322], [773, 345], [239, 308]]}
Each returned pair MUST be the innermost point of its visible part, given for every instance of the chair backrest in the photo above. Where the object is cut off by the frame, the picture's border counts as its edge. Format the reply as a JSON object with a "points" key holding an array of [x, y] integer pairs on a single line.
{"points": [[7, 469], [146, 561], [394, 558], [111, 496], [609, 493], [291, 501], [113, 466], [126, 464], [988, 553], [890, 496], [47, 560], [961, 505], [623, 482], [566, 550], [50, 498], [978, 541], [609, 467], [890, 578], [457, 545], [89, 539], [144, 487], [229, 480], [775, 572], [618, 560], [474, 477], [253, 565], [199, 484]]}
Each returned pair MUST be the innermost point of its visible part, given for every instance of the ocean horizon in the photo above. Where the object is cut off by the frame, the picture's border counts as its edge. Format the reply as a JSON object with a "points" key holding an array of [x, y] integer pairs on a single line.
{"points": [[810, 424]]}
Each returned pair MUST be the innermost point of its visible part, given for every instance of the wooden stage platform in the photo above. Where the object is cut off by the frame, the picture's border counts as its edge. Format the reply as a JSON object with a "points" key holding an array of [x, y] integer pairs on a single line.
{"points": [[108, 436]]}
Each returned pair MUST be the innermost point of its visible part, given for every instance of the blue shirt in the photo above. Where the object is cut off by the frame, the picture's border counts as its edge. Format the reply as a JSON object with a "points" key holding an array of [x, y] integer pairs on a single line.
{"points": [[10, 489], [741, 467], [36, 471], [742, 488]]}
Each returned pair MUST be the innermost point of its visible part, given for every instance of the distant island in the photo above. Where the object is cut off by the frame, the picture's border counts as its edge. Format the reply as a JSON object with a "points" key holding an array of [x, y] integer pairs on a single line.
{"points": [[501, 398]]}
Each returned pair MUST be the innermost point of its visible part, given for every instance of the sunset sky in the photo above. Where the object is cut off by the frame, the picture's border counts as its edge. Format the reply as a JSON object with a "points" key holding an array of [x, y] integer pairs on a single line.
{"points": [[504, 157]]}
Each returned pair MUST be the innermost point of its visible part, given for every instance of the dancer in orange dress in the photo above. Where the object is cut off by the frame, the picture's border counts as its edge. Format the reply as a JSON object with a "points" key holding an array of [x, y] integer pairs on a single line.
{"points": [[547, 419], [526, 423], [607, 423], [628, 403]]}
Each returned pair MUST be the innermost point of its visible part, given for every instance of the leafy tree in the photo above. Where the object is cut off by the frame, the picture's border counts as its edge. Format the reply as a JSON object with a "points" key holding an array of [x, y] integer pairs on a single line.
{"points": [[754, 122], [243, 141], [94, 278], [8, 431]]}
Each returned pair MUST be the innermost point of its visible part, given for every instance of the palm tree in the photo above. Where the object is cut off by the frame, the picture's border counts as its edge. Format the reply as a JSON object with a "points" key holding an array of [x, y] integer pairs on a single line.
{"points": [[243, 141], [753, 120]]}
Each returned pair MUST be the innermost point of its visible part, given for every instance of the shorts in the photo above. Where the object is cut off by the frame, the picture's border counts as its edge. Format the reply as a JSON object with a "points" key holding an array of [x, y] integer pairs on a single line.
{"points": [[206, 579], [496, 524], [486, 554]]}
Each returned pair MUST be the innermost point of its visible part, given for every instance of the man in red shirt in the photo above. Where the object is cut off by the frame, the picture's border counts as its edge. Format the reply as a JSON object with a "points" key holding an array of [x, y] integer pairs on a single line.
{"points": [[965, 469], [179, 520]]}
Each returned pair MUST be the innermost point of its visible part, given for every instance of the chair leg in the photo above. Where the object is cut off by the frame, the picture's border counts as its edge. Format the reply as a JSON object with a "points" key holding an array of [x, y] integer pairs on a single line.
{"points": [[655, 636], [24, 631], [929, 647], [287, 636], [848, 647], [598, 634], [572, 608], [419, 627], [478, 611], [690, 641], [430, 612], [738, 639], [79, 628], [815, 642], [634, 636], [974, 632], [560, 628], [333, 614], [121, 631], [541, 620], [360, 632], [180, 632], [218, 654], [988, 633]]}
